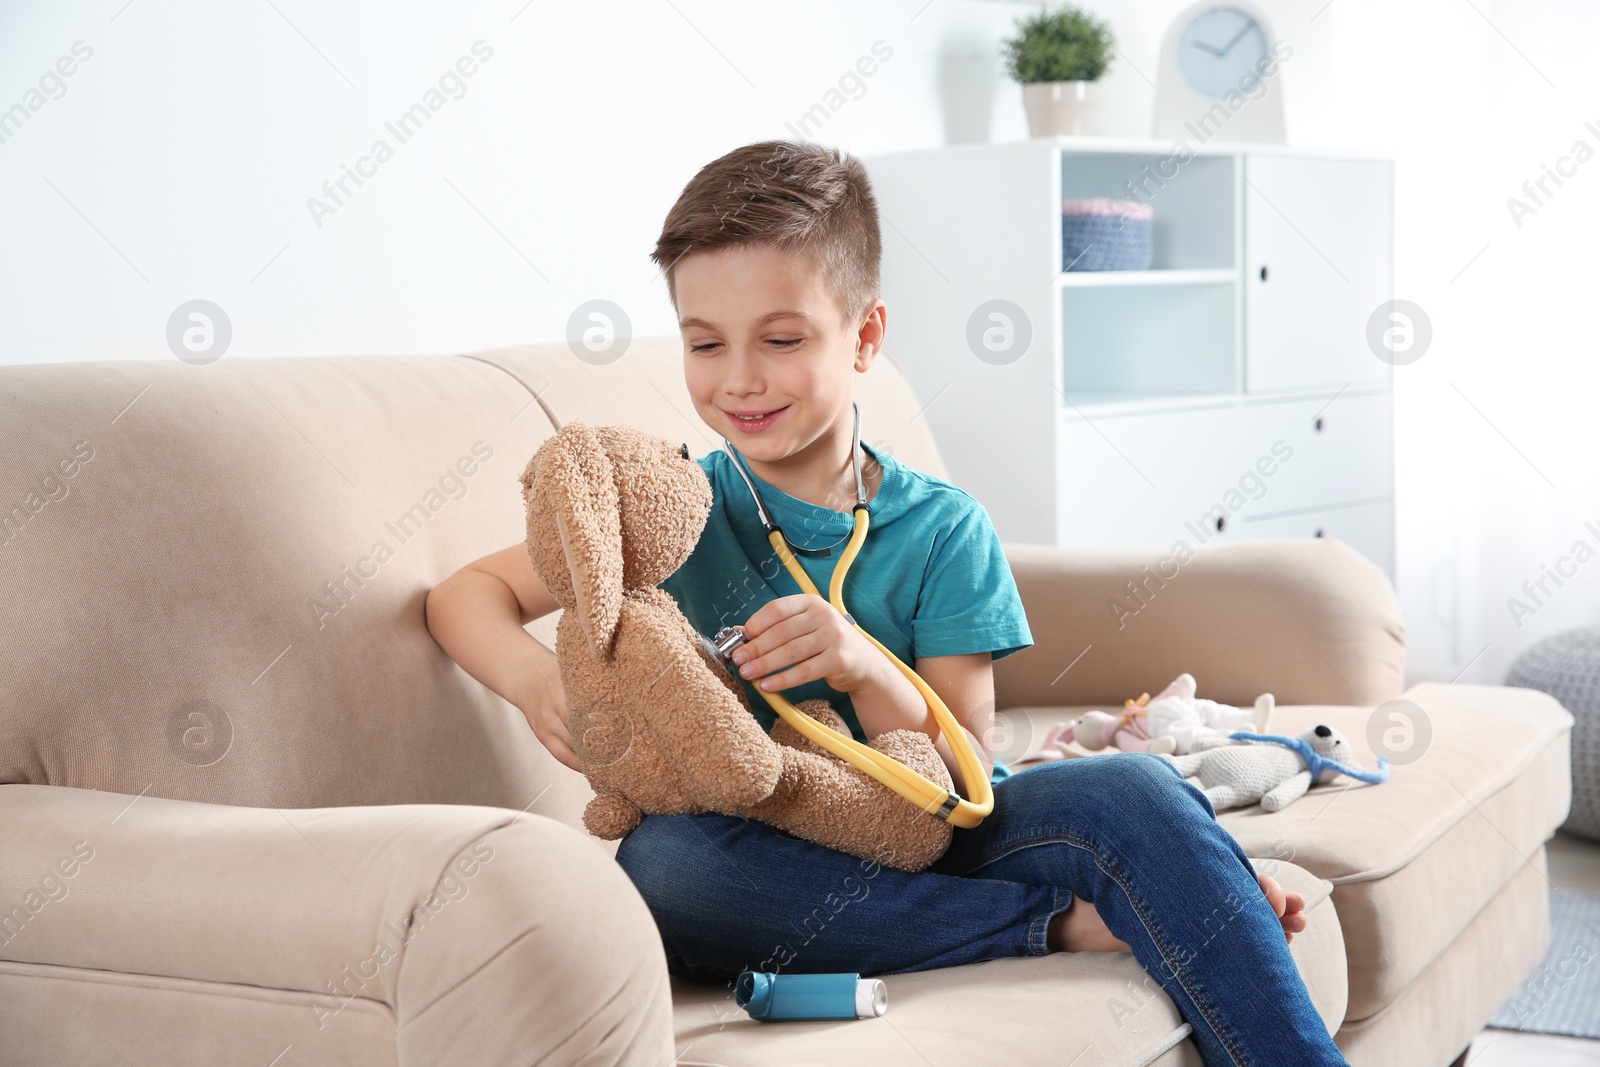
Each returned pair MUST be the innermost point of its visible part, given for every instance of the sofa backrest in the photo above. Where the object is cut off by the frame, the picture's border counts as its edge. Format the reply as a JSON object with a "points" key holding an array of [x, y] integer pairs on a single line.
{"points": [[214, 576]]}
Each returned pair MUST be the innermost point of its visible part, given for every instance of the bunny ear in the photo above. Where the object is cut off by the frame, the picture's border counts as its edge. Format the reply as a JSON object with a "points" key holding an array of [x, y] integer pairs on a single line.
{"points": [[582, 490]]}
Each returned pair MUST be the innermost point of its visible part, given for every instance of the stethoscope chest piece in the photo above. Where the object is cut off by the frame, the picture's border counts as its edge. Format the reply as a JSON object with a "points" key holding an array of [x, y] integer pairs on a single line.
{"points": [[721, 647]]}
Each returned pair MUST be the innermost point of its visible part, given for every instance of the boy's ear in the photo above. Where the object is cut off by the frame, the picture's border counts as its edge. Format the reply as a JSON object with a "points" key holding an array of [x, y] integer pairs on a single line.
{"points": [[582, 490]]}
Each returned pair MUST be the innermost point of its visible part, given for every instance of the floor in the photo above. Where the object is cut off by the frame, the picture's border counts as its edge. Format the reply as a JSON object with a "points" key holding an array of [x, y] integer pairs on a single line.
{"points": [[1574, 864]]}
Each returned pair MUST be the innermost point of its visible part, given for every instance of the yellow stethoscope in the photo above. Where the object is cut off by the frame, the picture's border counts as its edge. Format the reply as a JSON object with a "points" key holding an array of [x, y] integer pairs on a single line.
{"points": [[915, 787]]}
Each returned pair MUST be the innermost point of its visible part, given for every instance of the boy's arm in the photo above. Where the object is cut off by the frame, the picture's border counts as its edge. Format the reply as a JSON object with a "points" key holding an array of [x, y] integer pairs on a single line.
{"points": [[966, 685], [477, 616]]}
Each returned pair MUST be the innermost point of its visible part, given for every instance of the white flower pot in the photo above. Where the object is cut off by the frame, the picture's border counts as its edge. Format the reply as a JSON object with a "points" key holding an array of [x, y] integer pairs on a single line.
{"points": [[1056, 108]]}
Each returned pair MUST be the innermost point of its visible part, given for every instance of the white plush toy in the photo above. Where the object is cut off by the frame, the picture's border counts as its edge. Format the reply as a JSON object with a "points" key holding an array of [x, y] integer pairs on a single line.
{"points": [[1275, 770], [1171, 722], [1175, 713]]}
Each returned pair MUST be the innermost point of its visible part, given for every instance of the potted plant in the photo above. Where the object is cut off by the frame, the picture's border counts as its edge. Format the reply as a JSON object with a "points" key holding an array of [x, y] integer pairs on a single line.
{"points": [[1058, 56]]}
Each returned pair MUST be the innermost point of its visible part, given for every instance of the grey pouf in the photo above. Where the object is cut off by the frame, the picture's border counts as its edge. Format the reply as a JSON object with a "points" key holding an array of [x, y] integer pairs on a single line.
{"points": [[1567, 666]]}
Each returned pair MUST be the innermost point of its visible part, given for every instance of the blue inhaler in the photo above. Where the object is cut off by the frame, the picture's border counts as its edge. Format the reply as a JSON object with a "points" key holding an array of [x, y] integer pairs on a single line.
{"points": [[810, 996]]}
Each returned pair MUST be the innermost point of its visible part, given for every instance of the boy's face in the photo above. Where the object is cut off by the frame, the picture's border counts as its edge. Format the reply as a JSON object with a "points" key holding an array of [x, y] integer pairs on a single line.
{"points": [[762, 335]]}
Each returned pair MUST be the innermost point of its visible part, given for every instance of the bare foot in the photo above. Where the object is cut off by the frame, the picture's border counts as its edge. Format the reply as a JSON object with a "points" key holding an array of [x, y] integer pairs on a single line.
{"points": [[1080, 928], [1290, 908]]}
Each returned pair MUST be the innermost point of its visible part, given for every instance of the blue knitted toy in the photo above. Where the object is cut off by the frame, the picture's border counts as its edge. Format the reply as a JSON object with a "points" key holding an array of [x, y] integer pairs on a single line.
{"points": [[1276, 770], [1316, 763]]}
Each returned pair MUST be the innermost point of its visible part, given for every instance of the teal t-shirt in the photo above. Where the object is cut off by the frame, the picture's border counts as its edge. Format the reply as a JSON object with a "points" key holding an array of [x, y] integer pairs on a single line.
{"points": [[931, 578]]}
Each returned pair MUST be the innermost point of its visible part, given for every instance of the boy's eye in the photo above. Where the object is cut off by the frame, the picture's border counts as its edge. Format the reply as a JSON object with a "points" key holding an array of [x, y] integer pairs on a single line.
{"points": [[788, 343]]}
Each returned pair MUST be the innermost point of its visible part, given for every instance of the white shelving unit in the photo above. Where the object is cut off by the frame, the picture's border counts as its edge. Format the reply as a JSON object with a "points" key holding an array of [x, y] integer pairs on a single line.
{"points": [[1226, 392]]}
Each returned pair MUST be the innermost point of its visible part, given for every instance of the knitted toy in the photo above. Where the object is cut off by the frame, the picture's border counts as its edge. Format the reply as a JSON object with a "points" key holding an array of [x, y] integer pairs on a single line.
{"points": [[1171, 722], [661, 726], [1270, 768]]}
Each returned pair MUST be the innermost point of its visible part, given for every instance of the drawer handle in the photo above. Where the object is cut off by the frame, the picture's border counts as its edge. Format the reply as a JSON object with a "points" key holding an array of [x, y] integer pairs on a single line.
{"points": [[1263, 272]]}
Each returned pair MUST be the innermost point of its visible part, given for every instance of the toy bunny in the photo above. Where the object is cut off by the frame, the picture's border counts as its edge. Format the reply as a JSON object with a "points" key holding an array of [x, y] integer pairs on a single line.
{"points": [[1275, 770], [1095, 730], [1170, 722], [1176, 716], [660, 726]]}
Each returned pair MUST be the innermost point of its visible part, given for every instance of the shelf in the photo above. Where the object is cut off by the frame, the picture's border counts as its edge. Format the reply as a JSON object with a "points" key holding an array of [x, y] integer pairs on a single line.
{"points": [[1080, 404], [1151, 340], [1198, 276], [1193, 204], [1154, 393]]}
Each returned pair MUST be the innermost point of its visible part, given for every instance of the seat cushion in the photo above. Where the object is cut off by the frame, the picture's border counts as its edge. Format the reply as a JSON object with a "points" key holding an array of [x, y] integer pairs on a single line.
{"points": [[1414, 859], [1098, 1007], [1438, 1014]]}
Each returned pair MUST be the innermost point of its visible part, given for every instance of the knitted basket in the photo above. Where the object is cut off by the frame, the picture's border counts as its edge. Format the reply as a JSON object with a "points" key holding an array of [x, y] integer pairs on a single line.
{"points": [[1105, 234], [1567, 666]]}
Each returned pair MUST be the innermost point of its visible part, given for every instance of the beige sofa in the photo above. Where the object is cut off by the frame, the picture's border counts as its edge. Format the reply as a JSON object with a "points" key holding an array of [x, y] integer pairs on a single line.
{"points": [[253, 814]]}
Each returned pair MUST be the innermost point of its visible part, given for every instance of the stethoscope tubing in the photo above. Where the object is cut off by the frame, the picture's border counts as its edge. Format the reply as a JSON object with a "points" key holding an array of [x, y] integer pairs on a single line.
{"points": [[915, 787]]}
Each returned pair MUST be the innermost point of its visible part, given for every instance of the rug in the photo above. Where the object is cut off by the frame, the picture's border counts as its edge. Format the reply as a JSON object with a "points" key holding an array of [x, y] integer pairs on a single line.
{"points": [[1562, 995]]}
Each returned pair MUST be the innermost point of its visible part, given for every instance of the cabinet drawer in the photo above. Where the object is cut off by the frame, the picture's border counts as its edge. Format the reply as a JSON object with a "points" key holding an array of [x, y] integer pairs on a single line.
{"points": [[1343, 451], [1367, 528], [1150, 479]]}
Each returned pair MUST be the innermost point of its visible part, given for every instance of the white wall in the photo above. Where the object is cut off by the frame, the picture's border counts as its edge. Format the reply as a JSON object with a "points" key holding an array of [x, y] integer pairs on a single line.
{"points": [[1496, 441], [179, 161]]}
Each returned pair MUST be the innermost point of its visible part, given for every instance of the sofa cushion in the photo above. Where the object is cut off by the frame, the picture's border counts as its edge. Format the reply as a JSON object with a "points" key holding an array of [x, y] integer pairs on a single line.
{"points": [[1308, 618], [1082, 1008], [225, 604], [1474, 975], [1414, 859]]}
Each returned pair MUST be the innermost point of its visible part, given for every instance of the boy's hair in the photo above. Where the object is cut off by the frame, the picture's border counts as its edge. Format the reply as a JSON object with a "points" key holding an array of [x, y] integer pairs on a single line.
{"points": [[810, 199]]}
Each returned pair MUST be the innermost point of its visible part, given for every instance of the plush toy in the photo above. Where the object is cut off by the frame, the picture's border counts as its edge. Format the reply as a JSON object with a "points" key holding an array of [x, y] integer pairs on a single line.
{"points": [[1176, 716], [1171, 722], [661, 726], [1275, 770], [1095, 730]]}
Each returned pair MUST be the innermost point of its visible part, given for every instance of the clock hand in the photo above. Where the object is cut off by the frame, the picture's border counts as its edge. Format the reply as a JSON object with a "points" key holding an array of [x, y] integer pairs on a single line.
{"points": [[1249, 24], [1206, 48]]}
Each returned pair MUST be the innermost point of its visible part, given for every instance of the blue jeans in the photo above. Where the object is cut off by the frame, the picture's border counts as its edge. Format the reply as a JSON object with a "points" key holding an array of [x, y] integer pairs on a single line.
{"points": [[1122, 830]]}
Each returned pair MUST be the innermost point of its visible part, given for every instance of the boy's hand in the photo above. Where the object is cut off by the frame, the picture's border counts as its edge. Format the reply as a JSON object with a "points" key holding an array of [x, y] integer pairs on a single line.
{"points": [[545, 708], [805, 630]]}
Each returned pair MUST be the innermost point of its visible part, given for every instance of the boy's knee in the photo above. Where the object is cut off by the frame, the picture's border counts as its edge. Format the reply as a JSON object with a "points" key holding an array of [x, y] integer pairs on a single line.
{"points": [[1161, 793], [1124, 786], [653, 854], [674, 861]]}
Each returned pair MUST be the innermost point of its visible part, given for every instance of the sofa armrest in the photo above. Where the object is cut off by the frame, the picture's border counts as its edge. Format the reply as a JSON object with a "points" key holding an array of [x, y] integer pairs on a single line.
{"points": [[1309, 620], [462, 934]]}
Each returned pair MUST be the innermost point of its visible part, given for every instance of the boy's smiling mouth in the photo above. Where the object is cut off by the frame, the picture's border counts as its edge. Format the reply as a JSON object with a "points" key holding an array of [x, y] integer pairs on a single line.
{"points": [[754, 421]]}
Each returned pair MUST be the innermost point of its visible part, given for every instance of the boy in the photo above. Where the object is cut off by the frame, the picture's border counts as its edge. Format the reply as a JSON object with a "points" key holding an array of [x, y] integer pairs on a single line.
{"points": [[771, 257]]}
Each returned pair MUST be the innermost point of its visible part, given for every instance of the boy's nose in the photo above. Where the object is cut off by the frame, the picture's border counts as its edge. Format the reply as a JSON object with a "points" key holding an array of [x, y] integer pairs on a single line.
{"points": [[742, 374]]}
